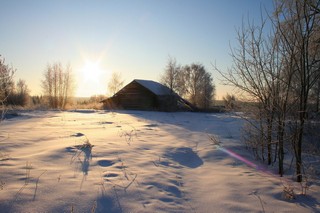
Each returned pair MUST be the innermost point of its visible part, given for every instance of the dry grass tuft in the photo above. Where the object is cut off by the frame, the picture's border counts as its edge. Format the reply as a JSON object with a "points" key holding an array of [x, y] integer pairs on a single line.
{"points": [[288, 191]]}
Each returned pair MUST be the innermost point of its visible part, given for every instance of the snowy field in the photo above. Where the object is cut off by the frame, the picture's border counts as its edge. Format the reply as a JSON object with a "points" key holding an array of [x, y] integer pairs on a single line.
{"points": [[133, 161]]}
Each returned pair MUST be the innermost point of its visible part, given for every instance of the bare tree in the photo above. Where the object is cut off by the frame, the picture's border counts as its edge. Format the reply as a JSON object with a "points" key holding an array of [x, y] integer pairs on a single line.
{"points": [[6, 80], [277, 70], [115, 83], [207, 92], [298, 27], [57, 85], [230, 101], [251, 74], [6, 84], [171, 76], [197, 85], [261, 71]]}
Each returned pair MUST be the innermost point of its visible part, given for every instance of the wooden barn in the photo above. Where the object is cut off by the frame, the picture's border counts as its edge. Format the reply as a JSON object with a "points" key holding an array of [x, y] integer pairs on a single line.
{"points": [[147, 95]]}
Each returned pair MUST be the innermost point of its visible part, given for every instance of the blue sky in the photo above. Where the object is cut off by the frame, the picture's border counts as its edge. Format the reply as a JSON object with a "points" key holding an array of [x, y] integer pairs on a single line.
{"points": [[133, 37]]}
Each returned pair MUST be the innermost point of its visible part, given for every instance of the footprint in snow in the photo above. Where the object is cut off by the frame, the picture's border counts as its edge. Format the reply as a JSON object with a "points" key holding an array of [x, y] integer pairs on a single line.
{"points": [[170, 190], [110, 175], [166, 200], [78, 134], [105, 163], [105, 122], [151, 125]]}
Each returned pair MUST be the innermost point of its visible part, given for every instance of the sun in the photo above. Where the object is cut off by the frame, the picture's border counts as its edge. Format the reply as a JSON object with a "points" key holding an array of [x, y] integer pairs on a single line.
{"points": [[91, 72], [92, 79]]}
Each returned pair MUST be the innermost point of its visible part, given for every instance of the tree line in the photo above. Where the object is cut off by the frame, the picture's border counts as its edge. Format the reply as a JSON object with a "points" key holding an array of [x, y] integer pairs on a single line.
{"points": [[57, 85], [192, 82]]}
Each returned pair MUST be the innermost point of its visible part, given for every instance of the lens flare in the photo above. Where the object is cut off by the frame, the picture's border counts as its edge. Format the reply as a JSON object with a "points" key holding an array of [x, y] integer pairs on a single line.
{"points": [[246, 161], [239, 157]]}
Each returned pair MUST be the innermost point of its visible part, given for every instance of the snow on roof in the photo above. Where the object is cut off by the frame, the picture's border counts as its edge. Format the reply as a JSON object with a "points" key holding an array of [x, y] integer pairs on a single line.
{"points": [[154, 87]]}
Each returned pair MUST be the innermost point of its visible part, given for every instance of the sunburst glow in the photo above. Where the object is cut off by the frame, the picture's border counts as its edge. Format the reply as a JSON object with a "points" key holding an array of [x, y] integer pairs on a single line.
{"points": [[93, 79]]}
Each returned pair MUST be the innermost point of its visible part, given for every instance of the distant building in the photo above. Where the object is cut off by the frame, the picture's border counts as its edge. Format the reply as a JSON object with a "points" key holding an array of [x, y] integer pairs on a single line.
{"points": [[147, 95]]}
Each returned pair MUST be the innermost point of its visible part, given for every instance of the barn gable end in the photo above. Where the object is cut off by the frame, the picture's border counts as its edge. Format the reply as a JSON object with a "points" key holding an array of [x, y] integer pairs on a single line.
{"points": [[134, 96]]}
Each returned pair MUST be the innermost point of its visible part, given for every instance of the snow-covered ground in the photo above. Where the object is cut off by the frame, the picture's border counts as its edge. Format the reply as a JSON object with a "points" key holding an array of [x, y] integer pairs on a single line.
{"points": [[134, 161]]}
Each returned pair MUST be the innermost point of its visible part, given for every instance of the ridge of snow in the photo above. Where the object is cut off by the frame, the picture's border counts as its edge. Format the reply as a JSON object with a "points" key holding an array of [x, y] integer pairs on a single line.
{"points": [[154, 87]]}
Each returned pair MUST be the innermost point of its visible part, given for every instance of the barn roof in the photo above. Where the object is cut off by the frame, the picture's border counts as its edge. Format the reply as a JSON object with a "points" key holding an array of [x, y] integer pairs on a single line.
{"points": [[154, 87]]}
